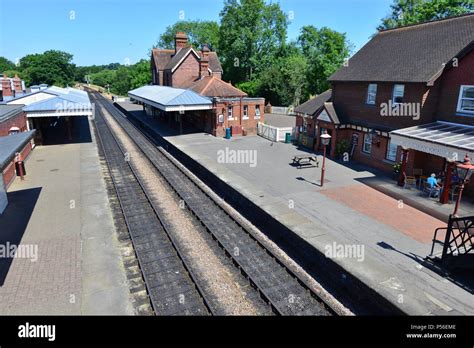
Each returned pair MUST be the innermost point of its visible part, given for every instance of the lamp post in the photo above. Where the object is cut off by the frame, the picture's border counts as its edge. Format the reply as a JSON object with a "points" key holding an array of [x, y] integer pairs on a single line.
{"points": [[465, 171], [325, 139]]}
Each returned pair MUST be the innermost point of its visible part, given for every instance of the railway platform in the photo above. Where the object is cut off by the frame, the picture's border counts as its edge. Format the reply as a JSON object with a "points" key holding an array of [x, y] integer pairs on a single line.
{"points": [[372, 236], [71, 261]]}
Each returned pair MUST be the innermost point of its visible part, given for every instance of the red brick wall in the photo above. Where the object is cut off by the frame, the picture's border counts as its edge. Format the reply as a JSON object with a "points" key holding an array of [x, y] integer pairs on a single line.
{"points": [[186, 73], [349, 99], [451, 82], [250, 124], [9, 172], [18, 120], [377, 157]]}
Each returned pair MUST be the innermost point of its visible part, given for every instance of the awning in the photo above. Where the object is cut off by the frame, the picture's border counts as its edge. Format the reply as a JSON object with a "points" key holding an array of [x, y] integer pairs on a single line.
{"points": [[170, 99], [11, 144], [449, 140]]}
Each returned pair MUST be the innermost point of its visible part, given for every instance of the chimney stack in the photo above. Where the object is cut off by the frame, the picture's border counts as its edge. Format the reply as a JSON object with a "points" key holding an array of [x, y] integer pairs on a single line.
{"points": [[204, 62], [6, 86], [17, 84], [180, 41]]}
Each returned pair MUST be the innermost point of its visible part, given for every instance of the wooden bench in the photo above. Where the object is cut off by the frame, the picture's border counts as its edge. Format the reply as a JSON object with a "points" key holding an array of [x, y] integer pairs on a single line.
{"points": [[305, 160]]}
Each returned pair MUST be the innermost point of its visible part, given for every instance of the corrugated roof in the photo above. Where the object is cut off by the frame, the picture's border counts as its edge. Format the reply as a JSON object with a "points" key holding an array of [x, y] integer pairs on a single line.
{"points": [[12, 144], [169, 96], [409, 54], [65, 99]]}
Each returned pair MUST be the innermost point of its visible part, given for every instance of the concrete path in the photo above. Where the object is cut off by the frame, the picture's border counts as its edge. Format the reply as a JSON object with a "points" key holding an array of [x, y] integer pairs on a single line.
{"points": [[61, 210], [393, 236]]}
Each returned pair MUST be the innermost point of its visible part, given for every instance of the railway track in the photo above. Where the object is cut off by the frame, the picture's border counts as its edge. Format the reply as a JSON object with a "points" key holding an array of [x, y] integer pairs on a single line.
{"points": [[276, 284]]}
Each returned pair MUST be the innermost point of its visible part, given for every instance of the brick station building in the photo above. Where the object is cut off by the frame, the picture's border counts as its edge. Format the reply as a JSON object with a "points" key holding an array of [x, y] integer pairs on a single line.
{"points": [[406, 96], [13, 121], [200, 71]]}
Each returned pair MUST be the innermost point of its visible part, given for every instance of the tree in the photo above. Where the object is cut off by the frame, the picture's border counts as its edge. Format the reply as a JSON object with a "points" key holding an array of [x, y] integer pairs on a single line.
{"points": [[251, 33], [121, 82], [51, 67], [140, 74], [285, 82], [6, 64], [199, 33], [326, 51], [405, 12]]}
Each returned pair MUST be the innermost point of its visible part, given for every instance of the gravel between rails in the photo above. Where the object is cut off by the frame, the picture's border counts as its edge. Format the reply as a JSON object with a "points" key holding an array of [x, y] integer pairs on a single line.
{"points": [[228, 288]]}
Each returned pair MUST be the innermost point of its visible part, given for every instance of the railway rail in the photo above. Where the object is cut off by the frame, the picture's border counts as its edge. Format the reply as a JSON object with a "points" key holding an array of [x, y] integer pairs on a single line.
{"points": [[158, 253]]}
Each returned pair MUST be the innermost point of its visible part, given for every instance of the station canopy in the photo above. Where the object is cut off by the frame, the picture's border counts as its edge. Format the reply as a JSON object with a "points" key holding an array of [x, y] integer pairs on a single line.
{"points": [[449, 140], [170, 98], [55, 102]]}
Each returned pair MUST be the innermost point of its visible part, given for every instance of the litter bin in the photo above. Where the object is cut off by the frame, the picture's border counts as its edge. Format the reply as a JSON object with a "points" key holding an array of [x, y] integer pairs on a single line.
{"points": [[288, 138], [228, 133], [20, 168]]}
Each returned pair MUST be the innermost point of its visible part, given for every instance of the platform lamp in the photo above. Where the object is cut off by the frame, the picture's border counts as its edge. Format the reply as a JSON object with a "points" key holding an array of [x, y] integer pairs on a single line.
{"points": [[464, 171], [325, 139]]}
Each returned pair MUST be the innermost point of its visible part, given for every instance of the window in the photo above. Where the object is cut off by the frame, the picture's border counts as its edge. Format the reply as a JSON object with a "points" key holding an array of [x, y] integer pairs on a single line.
{"points": [[246, 111], [398, 92], [257, 111], [230, 116], [371, 93], [367, 147], [391, 151], [466, 99]]}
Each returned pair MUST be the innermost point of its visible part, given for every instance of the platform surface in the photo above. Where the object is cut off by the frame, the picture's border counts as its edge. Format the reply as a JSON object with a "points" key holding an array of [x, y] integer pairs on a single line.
{"points": [[394, 237], [61, 210]]}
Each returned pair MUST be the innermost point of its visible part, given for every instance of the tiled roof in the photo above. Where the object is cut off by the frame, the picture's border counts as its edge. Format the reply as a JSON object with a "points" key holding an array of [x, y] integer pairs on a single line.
{"points": [[311, 106], [211, 86], [166, 59], [413, 53]]}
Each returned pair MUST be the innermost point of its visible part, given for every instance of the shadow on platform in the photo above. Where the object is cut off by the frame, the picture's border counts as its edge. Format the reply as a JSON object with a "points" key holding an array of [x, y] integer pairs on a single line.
{"points": [[13, 223]]}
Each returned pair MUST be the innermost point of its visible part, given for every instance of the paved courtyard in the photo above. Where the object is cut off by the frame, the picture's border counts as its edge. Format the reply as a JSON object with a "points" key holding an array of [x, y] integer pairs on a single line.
{"points": [[346, 211], [60, 213]]}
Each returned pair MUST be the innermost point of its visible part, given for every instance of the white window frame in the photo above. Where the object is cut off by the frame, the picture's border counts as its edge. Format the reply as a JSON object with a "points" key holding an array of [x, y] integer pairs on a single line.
{"points": [[230, 112], [394, 91], [246, 112], [460, 99], [257, 111], [367, 142], [390, 151], [371, 95]]}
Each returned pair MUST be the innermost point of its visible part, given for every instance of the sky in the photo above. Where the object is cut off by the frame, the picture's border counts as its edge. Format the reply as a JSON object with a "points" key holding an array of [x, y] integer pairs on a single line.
{"points": [[123, 31]]}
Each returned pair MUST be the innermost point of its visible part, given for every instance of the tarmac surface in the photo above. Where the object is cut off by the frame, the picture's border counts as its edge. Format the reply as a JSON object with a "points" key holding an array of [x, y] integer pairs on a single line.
{"points": [[388, 239], [60, 214]]}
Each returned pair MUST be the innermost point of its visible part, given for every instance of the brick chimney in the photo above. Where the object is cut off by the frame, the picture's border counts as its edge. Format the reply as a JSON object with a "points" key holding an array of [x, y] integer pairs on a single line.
{"points": [[203, 67], [6, 87], [180, 41], [17, 84]]}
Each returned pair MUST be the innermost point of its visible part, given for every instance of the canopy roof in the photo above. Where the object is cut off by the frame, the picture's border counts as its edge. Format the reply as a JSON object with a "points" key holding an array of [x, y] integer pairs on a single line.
{"points": [[11, 144], [449, 140], [170, 99]]}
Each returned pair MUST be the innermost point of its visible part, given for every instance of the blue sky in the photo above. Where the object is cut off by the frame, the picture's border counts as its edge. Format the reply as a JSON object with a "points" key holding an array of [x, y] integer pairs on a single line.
{"points": [[105, 31]]}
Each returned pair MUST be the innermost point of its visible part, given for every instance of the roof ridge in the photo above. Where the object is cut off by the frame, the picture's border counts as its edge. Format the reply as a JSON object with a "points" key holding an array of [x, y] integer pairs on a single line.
{"points": [[207, 84], [432, 21]]}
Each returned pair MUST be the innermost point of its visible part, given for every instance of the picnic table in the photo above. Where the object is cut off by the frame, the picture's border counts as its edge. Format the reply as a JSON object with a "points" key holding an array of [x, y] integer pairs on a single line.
{"points": [[305, 160]]}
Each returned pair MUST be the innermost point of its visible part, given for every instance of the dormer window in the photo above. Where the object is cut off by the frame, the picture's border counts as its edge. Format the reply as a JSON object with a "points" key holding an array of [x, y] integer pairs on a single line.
{"points": [[398, 93], [371, 94], [466, 99]]}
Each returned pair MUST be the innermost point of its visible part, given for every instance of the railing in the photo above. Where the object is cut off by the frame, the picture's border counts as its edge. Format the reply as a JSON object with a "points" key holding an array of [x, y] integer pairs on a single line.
{"points": [[274, 133], [458, 245]]}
